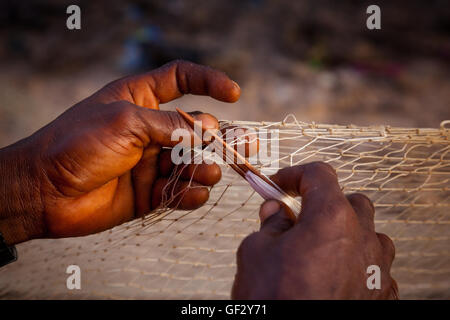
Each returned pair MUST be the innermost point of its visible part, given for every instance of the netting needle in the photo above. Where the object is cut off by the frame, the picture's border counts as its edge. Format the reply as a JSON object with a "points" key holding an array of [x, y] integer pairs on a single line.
{"points": [[247, 171]]}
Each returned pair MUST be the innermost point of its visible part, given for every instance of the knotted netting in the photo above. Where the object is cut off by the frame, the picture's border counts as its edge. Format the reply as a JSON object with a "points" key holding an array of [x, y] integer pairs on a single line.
{"points": [[172, 254]]}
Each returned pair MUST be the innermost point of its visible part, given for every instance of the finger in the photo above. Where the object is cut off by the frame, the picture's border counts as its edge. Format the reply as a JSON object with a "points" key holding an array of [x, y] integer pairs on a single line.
{"points": [[364, 209], [121, 131], [394, 290], [274, 218], [267, 209], [322, 198], [144, 175], [111, 141], [165, 163], [205, 174], [171, 81], [149, 125], [388, 248], [167, 128], [244, 140], [181, 194], [127, 130], [144, 126]]}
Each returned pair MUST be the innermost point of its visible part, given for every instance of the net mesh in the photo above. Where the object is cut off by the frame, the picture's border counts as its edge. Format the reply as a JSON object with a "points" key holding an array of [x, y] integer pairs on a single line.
{"points": [[172, 254]]}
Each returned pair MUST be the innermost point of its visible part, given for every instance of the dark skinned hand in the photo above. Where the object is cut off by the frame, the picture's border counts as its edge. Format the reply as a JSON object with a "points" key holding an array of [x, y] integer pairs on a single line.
{"points": [[101, 162], [322, 255]]}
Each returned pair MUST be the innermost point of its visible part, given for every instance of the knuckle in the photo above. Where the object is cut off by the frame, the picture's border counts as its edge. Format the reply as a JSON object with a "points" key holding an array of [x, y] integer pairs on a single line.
{"points": [[174, 121], [118, 83], [387, 244], [360, 199], [178, 62], [319, 167], [340, 215], [126, 121], [339, 208], [124, 111]]}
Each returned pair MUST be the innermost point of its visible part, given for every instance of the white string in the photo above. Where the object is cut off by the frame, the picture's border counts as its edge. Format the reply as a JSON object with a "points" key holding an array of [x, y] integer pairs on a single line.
{"points": [[268, 192]]}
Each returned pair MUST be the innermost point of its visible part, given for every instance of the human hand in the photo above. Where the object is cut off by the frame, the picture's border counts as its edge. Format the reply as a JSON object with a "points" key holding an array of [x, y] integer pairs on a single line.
{"points": [[322, 255], [101, 162]]}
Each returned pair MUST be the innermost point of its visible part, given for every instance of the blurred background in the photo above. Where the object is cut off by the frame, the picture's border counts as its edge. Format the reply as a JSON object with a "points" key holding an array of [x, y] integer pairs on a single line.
{"points": [[315, 59]]}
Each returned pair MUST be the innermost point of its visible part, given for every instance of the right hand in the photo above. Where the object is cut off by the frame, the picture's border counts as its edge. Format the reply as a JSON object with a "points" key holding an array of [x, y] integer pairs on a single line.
{"points": [[322, 255]]}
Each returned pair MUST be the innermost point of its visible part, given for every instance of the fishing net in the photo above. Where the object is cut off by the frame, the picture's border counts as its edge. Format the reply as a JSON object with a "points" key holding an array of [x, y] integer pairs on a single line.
{"points": [[172, 254]]}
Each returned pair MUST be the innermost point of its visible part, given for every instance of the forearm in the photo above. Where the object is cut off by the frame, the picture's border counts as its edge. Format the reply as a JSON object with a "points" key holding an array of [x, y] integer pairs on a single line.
{"points": [[21, 216]]}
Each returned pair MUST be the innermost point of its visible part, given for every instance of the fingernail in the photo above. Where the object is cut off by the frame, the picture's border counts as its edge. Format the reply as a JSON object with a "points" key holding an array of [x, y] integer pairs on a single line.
{"points": [[235, 84], [268, 208]]}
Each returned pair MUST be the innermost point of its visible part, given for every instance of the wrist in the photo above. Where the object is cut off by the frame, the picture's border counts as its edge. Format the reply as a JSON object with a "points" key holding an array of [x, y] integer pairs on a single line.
{"points": [[21, 210]]}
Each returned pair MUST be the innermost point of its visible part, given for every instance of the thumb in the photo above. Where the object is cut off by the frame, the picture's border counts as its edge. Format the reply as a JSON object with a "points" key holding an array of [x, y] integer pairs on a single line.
{"points": [[274, 218]]}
